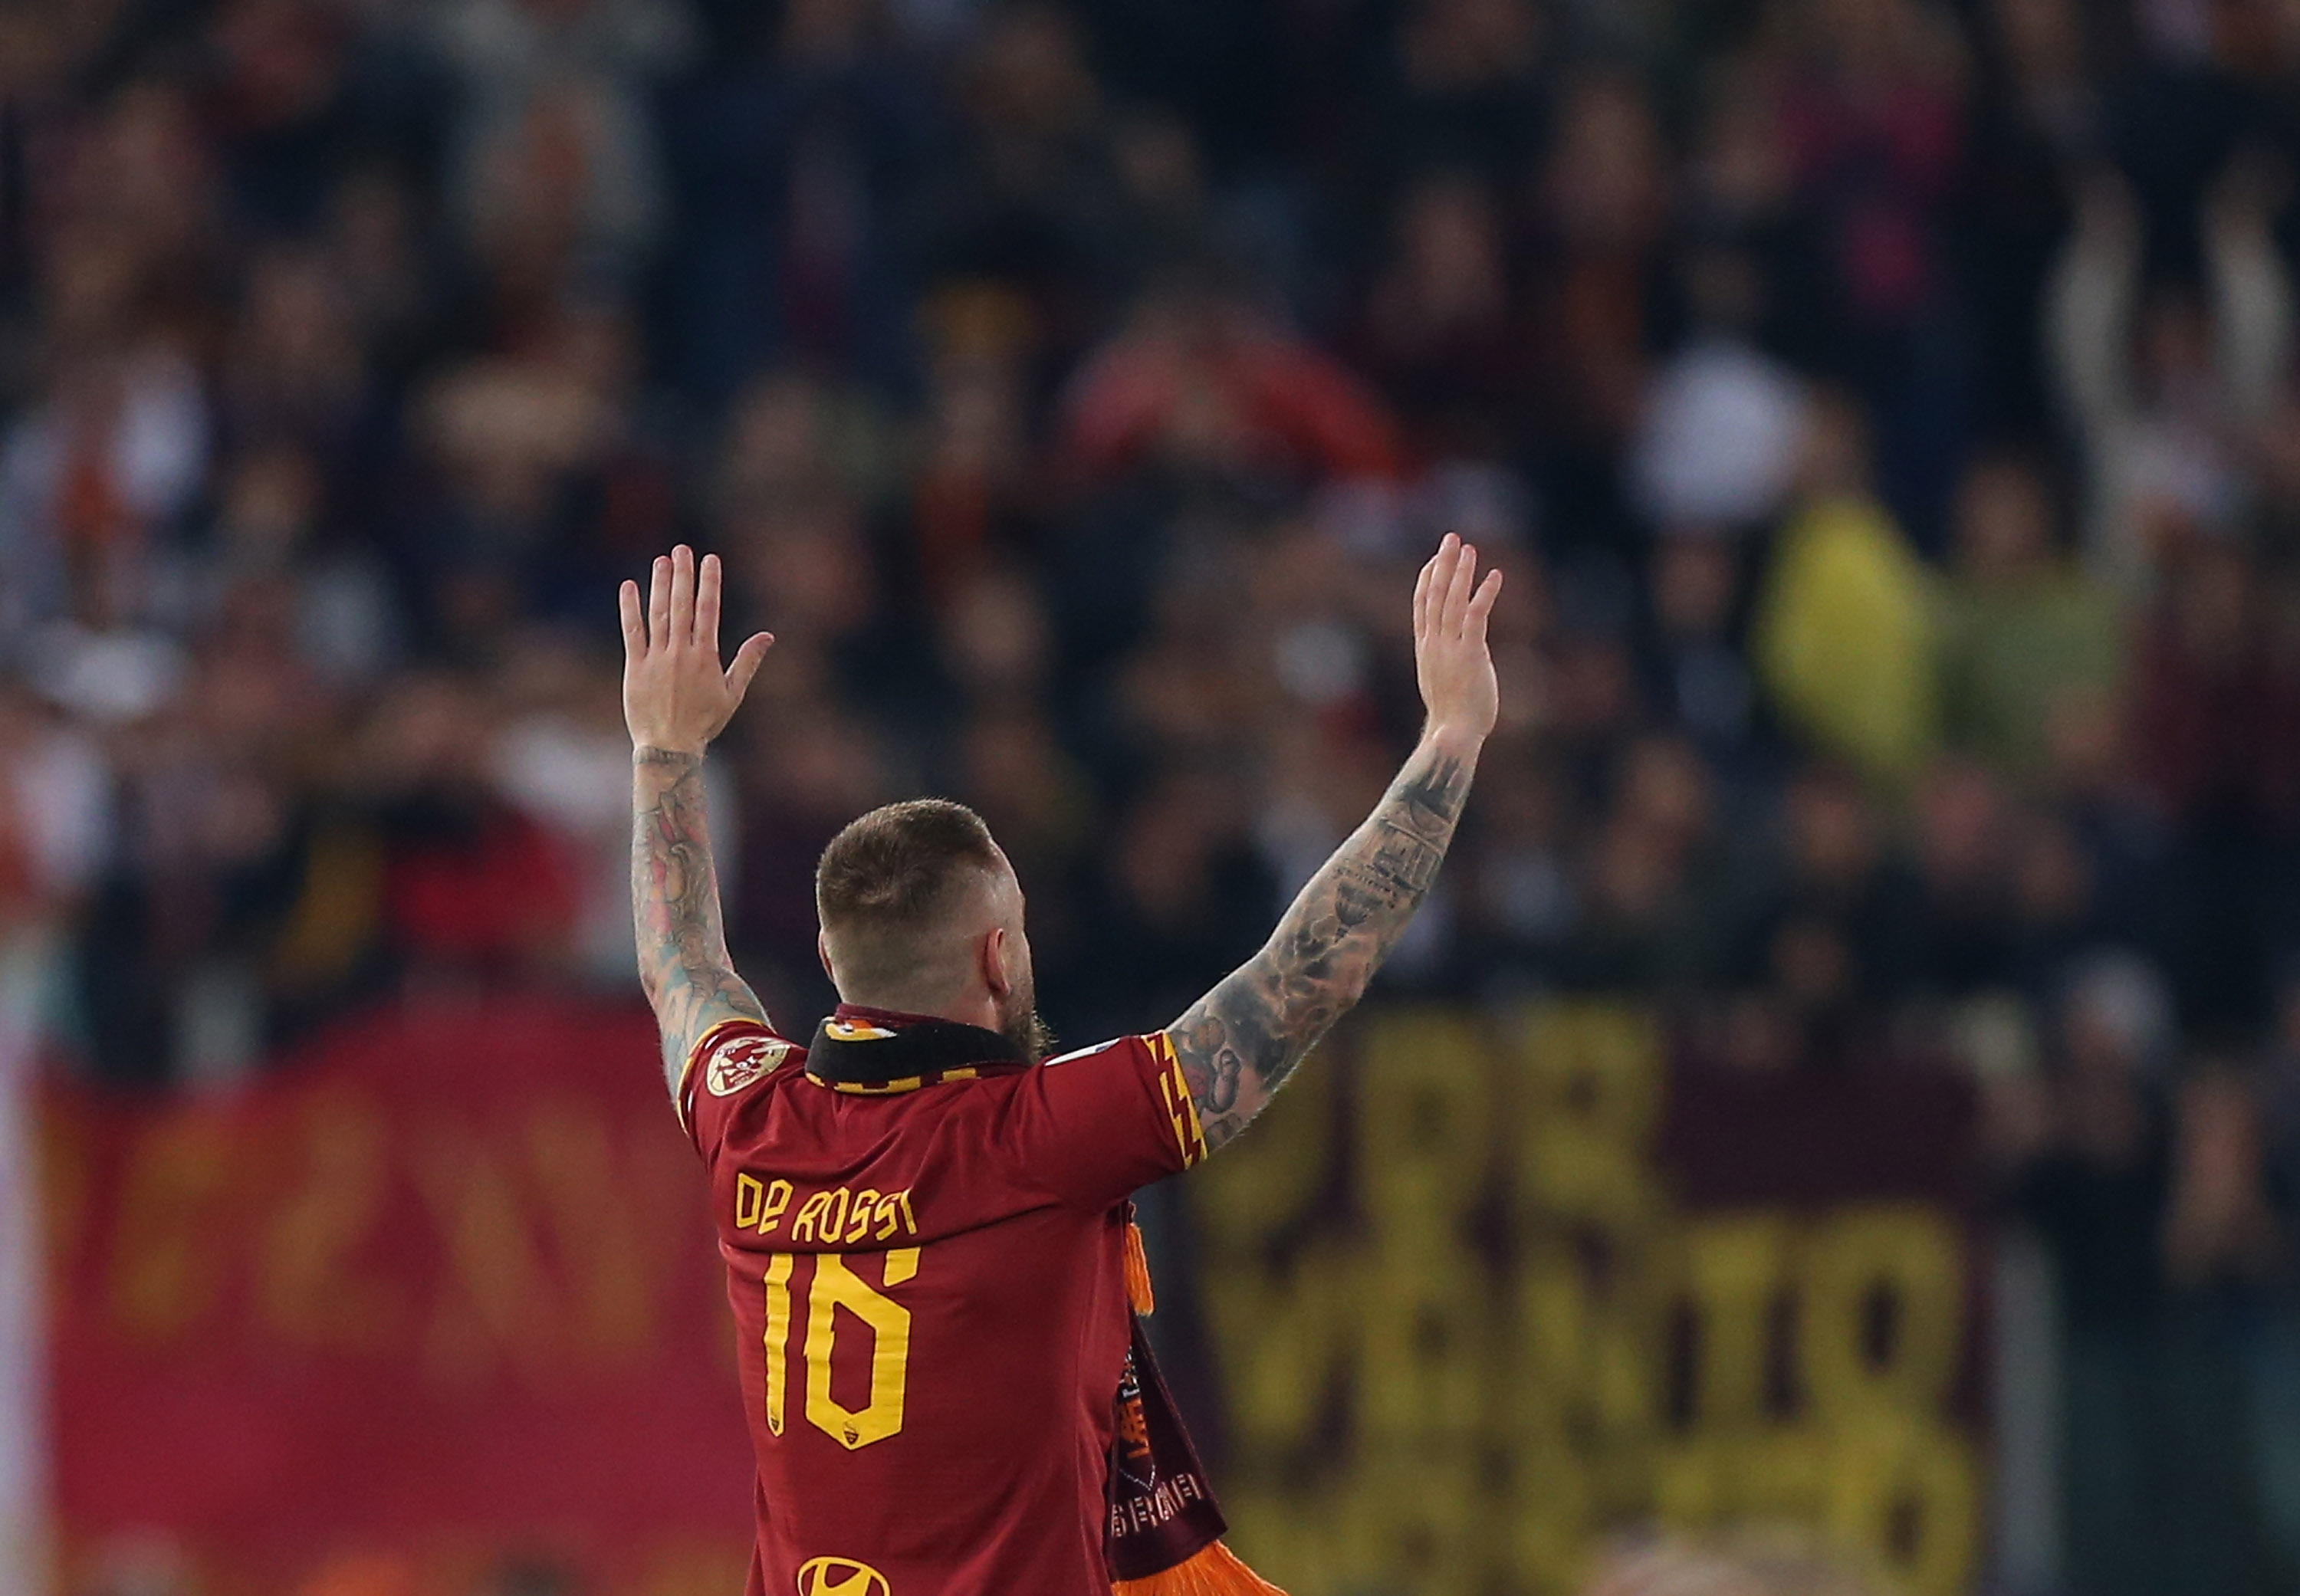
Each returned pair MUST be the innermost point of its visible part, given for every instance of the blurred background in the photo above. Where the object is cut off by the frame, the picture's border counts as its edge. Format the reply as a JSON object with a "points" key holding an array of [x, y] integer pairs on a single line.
{"points": [[1845, 1090]]}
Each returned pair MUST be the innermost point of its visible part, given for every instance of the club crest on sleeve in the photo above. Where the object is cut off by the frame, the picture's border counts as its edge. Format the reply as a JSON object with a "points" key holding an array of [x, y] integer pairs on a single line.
{"points": [[738, 1063]]}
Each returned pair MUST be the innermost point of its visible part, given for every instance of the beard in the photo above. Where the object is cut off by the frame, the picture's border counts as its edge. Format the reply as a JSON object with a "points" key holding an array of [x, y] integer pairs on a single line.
{"points": [[1022, 1024]]}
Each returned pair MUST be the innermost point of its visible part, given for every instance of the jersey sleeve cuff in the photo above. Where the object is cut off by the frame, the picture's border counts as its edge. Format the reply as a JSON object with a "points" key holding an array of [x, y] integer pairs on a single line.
{"points": [[1181, 1108]]}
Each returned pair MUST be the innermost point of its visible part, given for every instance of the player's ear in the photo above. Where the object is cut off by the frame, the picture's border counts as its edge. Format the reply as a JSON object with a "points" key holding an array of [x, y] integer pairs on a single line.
{"points": [[995, 974], [823, 952]]}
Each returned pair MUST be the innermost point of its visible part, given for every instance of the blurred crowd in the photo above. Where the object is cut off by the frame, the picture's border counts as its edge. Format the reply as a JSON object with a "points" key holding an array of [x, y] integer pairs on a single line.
{"points": [[1886, 412]]}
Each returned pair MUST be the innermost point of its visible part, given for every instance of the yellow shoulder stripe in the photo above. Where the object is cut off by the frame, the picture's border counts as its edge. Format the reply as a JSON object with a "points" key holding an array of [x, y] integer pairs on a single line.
{"points": [[1181, 1108]]}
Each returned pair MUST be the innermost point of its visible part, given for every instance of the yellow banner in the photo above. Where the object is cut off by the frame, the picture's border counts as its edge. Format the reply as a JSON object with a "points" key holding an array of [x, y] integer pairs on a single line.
{"points": [[1482, 1290]]}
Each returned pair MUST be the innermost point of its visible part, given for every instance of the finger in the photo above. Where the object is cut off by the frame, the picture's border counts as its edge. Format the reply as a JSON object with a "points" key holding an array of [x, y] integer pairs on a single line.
{"points": [[1457, 593], [1441, 576], [706, 605], [1421, 598], [682, 593], [627, 600], [1481, 603], [658, 604], [748, 661]]}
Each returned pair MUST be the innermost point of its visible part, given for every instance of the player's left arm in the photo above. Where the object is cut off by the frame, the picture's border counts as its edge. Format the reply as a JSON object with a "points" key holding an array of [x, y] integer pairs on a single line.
{"points": [[676, 699], [1237, 1045]]}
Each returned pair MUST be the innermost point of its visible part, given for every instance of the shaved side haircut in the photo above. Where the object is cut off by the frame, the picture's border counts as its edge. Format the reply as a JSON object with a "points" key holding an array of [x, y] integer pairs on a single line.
{"points": [[888, 881]]}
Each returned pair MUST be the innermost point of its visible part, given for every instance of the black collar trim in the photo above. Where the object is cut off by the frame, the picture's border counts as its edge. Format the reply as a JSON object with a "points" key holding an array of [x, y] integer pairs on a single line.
{"points": [[864, 1052]]}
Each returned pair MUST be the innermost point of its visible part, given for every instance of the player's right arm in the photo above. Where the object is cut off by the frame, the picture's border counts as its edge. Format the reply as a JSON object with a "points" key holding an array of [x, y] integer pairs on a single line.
{"points": [[676, 699], [1236, 1045]]}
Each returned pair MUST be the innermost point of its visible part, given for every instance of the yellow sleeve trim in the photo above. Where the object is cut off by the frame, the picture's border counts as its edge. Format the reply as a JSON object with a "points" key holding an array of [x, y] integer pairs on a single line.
{"points": [[1181, 1108]]}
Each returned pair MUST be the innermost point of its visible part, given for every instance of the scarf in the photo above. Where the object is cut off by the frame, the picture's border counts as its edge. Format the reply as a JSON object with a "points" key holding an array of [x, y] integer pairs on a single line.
{"points": [[1163, 1534]]}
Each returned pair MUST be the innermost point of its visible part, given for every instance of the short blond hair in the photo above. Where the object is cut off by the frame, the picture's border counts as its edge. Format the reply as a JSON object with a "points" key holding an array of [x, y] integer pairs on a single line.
{"points": [[889, 882]]}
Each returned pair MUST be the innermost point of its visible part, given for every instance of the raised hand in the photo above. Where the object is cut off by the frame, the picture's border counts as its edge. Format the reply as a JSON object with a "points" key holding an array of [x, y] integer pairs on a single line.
{"points": [[1238, 1044], [675, 700], [1451, 661], [676, 697]]}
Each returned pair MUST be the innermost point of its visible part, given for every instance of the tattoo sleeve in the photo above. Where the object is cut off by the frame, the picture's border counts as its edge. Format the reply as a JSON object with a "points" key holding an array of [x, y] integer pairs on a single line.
{"points": [[682, 945], [1237, 1045]]}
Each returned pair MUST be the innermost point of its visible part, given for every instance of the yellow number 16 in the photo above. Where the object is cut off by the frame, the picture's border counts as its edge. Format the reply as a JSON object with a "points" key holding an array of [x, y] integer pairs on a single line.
{"points": [[837, 1286]]}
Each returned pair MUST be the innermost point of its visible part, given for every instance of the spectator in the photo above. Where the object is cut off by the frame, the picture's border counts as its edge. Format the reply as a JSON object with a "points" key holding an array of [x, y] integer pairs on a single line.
{"points": [[1184, 897], [798, 787], [977, 498], [1963, 883], [1466, 75], [292, 97], [1723, 421], [294, 371], [1198, 383], [53, 807], [797, 171], [555, 155], [2025, 636], [563, 760], [1521, 903], [1846, 640], [2208, 701], [1028, 198], [469, 881], [2040, 109], [93, 481], [337, 597], [1829, 914], [2220, 1240], [1648, 888], [1872, 127], [1597, 279], [1695, 668], [1440, 329], [2164, 390], [2135, 1190]]}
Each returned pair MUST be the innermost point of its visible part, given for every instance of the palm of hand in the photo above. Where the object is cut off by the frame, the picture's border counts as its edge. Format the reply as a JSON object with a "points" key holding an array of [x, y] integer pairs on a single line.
{"points": [[676, 697]]}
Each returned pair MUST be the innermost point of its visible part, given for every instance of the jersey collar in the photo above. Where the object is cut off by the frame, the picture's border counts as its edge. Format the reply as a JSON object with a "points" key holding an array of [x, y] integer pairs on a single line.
{"points": [[881, 1052]]}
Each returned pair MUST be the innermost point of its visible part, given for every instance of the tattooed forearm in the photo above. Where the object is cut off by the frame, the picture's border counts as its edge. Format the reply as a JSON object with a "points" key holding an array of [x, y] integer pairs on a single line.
{"points": [[1237, 1045], [682, 947]]}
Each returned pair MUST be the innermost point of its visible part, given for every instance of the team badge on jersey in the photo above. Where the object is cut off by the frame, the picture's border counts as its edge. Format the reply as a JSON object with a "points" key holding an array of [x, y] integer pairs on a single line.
{"points": [[840, 1576], [737, 1063]]}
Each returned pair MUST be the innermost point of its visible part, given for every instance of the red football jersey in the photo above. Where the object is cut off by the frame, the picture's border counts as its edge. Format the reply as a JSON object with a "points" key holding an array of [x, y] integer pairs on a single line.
{"points": [[929, 1292]]}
